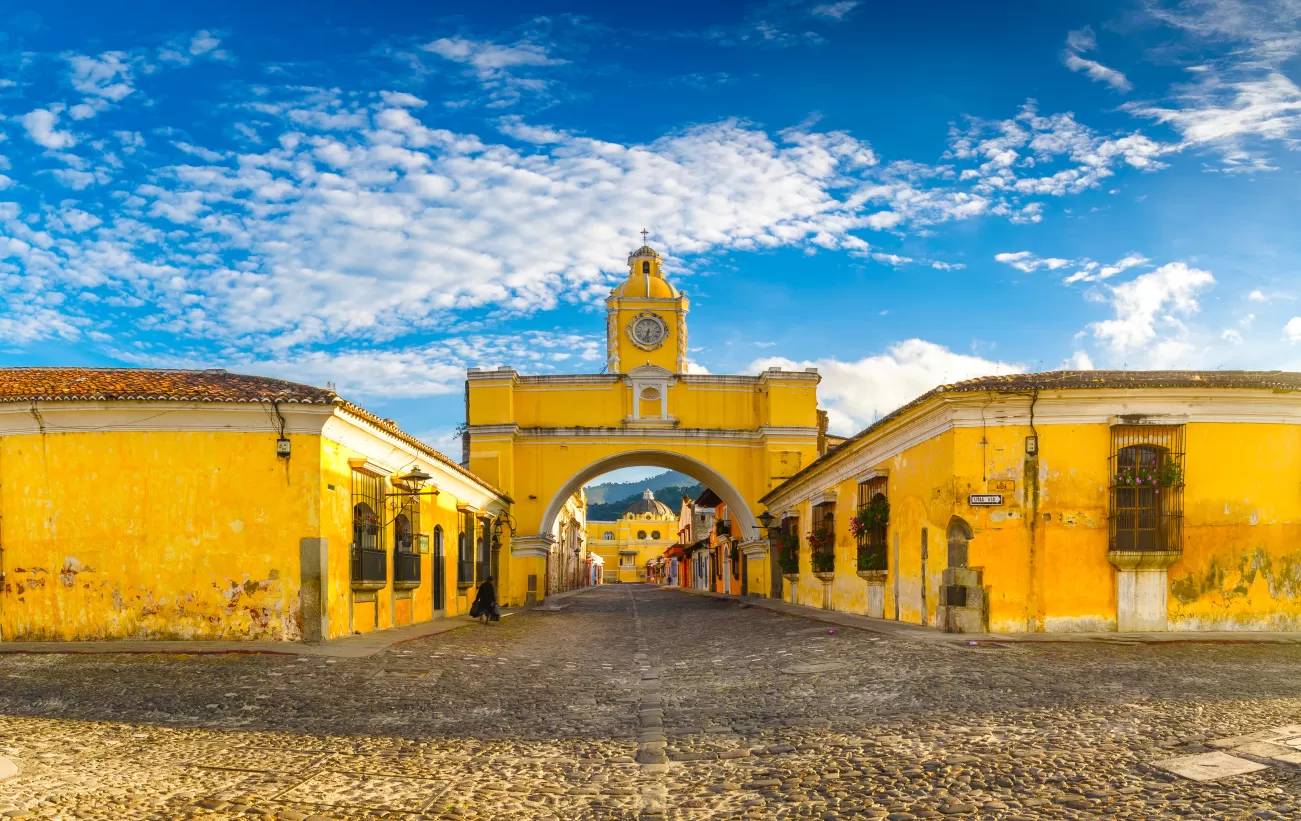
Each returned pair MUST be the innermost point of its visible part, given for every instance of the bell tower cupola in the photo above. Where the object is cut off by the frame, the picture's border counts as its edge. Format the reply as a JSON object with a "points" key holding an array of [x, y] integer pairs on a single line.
{"points": [[646, 317]]}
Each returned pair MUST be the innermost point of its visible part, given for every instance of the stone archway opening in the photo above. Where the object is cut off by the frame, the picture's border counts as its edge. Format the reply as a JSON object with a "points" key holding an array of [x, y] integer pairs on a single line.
{"points": [[701, 472]]}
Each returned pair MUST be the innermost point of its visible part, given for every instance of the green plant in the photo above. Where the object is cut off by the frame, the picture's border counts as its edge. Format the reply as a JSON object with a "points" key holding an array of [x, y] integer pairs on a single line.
{"points": [[872, 558], [789, 561], [1166, 474], [875, 513], [823, 561]]}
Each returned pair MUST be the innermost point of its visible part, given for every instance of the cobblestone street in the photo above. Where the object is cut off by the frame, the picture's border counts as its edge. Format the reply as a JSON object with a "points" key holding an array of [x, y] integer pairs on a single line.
{"points": [[631, 701]]}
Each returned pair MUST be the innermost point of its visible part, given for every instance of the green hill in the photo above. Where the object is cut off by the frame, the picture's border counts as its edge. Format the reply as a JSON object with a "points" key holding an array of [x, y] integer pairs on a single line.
{"points": [[670, 495]]}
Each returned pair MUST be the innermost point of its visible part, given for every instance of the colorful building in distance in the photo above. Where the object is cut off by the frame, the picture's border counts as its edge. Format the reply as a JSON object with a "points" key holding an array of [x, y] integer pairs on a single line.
{"points": [[569, 563], [1066, 501], [728, 563], [167, 504], [628, 546]]}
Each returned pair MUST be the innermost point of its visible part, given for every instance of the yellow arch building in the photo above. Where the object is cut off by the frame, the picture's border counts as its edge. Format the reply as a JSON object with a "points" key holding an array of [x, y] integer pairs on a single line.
{"points": [[541, 438]]}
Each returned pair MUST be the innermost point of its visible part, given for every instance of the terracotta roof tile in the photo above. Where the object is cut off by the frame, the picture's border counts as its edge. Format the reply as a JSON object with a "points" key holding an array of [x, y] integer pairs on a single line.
{"points": [[120, 384], [211, 385], [1072, 380]]}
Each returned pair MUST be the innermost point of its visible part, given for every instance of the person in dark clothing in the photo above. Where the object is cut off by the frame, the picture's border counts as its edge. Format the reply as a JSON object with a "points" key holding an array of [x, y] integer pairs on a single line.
{"points": [[486, 600]]}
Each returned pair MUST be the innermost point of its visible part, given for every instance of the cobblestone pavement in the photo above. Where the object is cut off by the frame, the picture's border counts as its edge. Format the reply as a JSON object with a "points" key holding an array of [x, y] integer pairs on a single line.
{"points": [[691, 709]]}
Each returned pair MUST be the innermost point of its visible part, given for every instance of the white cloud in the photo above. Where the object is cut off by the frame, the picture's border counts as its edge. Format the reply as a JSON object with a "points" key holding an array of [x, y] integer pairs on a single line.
{"points": [[108, 76], [1148, 300], [1096, 71], [1242, 99], [1078, 361], [856, 393], [514, 126], [1256, 296], [201, 45], [497, 67], [1082, 39], [1231, 336], [1292, 330], [835, 11], [1017, 155], [41, 129], [1226, 115], [1028, 262]]}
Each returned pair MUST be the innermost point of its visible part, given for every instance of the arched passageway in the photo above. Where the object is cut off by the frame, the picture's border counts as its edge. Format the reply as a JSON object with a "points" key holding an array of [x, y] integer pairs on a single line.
{"points": [[694, 468]]}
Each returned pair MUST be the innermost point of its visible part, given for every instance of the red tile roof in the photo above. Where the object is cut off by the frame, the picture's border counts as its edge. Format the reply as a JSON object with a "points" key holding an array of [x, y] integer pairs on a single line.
{"points": [[1028, 383], [110, 384], [210, 385]]}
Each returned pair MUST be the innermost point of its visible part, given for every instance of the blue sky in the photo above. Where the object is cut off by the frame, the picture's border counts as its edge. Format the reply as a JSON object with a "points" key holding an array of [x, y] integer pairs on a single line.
{"points": [[380, 195]]}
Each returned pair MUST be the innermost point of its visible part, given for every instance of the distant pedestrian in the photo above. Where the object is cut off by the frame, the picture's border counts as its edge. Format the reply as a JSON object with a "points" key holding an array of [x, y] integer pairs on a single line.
{"points": [[485, 603]]}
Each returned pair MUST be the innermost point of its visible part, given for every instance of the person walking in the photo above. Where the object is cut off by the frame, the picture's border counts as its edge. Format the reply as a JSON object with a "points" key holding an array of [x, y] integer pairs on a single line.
{"points": [[485, 603]]}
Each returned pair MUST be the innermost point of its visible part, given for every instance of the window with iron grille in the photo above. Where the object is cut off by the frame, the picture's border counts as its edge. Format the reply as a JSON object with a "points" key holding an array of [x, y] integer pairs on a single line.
{"points": [[368, 563], [1147, 488], [464, 551], [484, 544], [406, 561], [872, 552]]}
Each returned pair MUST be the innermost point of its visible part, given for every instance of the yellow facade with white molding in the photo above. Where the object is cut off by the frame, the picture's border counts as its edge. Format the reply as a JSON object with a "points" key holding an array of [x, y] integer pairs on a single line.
{"points": [[540, 438], [1045, 556], [644, 531], [167, 518]]}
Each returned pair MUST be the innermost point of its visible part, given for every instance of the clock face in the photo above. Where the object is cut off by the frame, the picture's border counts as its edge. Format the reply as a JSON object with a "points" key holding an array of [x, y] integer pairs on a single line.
{"points": [[648, 331]]}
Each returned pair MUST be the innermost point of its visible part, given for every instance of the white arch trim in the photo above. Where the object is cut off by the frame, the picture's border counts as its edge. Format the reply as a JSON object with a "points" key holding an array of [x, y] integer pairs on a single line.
{"points": [[741, 513]]}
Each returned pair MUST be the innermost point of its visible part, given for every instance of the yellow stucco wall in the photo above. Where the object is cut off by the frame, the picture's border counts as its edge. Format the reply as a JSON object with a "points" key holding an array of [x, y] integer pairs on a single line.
{"points": [[625, 538], [1044, 555], [153, 534]]}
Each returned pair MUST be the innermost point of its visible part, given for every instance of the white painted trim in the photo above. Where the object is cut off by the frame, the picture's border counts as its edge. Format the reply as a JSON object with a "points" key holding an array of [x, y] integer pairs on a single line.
{"points": [[1076, 407], [16, 418], [371, 466], [825, 496], [872, 473], [384, 448], [1145, 420]]}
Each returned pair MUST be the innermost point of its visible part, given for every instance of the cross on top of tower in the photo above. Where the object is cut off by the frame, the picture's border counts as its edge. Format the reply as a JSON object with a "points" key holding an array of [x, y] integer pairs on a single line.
{"points": [[644, 232]]}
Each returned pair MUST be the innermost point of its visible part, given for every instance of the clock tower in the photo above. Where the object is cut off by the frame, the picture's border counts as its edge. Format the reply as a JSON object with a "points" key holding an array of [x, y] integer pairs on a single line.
{"points": [[646, 318]]}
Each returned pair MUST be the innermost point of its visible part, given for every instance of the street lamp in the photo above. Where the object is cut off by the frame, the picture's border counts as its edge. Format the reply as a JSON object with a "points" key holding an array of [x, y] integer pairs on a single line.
{"points": [[766, 522], [412, 481]]}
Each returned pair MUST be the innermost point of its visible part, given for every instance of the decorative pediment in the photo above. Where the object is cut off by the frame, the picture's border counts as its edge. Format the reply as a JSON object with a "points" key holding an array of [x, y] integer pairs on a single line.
{"points": [[650, 373]]}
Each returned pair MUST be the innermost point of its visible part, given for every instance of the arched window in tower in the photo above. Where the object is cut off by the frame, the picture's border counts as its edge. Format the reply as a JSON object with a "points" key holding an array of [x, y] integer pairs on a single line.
{"points": [[645, 267], [608, 535]]}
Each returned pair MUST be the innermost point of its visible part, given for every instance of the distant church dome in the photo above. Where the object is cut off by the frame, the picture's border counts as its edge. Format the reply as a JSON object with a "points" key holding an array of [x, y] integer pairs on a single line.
{"points": [[645, 277], [648, 504]]}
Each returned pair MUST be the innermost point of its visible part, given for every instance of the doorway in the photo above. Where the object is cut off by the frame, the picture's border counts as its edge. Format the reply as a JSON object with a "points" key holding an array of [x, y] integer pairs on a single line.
{"points": [[438, 576]]}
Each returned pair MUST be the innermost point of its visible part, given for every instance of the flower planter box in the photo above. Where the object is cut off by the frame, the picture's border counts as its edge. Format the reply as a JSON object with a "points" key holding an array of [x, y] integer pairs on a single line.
{"points": [[825, 575], [791, 577]]}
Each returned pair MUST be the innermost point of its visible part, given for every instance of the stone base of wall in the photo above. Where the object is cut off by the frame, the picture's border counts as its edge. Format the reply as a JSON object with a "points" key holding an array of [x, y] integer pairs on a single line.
{"points": [[964, 601]]}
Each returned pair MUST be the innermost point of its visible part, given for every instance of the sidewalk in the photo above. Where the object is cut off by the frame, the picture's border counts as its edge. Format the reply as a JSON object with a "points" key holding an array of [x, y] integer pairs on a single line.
{"points": [[347, 647], [914, 632]]}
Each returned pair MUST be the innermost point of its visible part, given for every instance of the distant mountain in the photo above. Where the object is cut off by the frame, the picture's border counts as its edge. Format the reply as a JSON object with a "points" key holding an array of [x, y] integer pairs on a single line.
{"points": [[670, 495], [600, 493]]}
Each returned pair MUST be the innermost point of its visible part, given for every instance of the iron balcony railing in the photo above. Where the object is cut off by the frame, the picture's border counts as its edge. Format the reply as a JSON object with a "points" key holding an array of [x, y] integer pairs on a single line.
{"points": [[406, 567], [723, 528], [368, 565]]}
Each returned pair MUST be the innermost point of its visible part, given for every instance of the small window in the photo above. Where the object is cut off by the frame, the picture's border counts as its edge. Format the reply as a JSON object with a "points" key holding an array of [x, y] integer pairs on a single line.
{"points": [[367, 501], [641, 534], [1147, 488], [608, 535], [650, 394], [645, 267], [655, 534], [403, 538]]}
